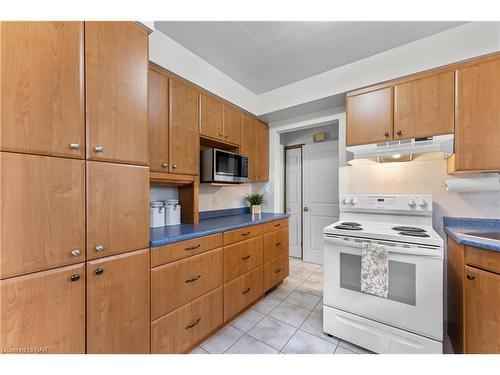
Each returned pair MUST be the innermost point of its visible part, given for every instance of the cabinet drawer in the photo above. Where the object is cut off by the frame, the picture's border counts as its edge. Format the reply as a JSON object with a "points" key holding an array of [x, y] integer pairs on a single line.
{"points": [[275, 225], [179, 250], [241, 292], [242, 234], [183, 328], [242, 257], [275, 244], [485, 259], [178, 283], [275, 271]]}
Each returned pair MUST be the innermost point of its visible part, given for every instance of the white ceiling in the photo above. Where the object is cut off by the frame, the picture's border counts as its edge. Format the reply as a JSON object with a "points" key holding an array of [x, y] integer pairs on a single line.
{"points": [[263, 56]]}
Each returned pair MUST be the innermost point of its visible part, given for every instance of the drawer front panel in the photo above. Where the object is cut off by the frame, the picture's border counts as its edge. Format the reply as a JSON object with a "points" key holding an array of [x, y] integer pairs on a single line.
{"points": [[178, 283], [178, 331], [485, 259], [242, 234], [241, 292], [275, 225], [242, 257], [275, 244], [179, 250], [275, 271]]}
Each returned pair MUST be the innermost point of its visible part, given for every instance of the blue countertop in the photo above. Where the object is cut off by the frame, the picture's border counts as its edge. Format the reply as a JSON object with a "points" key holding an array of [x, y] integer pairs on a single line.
{"points": [[175, 233], [456, 227]]}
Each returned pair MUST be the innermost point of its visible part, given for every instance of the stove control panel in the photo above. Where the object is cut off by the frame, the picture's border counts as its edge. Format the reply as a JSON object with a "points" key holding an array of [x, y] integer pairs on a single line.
{"points": [[420, 204]]}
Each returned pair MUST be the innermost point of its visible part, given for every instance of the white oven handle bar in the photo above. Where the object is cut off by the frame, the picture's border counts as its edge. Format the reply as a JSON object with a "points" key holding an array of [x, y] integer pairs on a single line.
{"points": [[391, 247]]}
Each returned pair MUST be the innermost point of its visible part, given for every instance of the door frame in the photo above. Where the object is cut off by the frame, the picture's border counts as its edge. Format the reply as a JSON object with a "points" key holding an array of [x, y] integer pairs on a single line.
{"points": [[291, 147]]}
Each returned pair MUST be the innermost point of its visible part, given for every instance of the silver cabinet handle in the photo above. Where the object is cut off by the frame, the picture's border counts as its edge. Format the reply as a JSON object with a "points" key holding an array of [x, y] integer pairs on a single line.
{"points": [[74, 146], [98, 149], [75, 277], [75, 252], [164, 165], [99, 271], [99, 248], [174, 166]]}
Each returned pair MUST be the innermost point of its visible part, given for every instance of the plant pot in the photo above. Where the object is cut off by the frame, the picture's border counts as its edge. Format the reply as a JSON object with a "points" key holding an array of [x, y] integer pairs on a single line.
{"points": [[256, 209]]}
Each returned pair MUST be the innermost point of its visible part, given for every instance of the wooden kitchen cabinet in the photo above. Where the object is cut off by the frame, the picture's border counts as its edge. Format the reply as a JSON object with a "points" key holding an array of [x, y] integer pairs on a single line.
{"points": [[241, 292], [232, 124], [369, 117], [158, 120], [116, 71], [211, 120], [117, 208], [44, 312], [424, 107], [477, 117], [42, 88], [255, 145], [118, 319], [242, 257], [43, 213], [184, 150], [482, 311]]}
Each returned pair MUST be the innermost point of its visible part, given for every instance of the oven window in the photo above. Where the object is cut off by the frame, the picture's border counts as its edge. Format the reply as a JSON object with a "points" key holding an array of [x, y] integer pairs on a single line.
{"points": [[402, 278], [227, 164]]}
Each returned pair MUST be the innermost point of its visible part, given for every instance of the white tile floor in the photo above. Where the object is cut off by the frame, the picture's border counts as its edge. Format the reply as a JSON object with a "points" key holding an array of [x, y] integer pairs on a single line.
{"points": [[289, 320]]}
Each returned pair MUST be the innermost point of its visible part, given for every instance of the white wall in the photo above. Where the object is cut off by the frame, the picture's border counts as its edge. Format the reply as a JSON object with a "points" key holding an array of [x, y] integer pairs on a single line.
{"points": [[460, 43], [305, 136], [214, 197]]}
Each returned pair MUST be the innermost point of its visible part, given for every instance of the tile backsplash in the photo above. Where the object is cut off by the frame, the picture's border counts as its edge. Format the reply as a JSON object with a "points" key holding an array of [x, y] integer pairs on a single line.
{"points": [[162, 193], [215, 197], [419, 177]]}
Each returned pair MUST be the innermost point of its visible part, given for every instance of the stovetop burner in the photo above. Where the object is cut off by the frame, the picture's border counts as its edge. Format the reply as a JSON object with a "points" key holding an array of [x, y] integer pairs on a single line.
{"points": [[414, 234], [348, 227], [409, 229], [351, 224]]}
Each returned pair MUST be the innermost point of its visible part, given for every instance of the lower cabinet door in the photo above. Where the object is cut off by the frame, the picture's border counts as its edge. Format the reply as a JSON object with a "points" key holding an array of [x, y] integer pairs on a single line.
{"points": [[482, 311], [118, 304], [275, 271], [242, 257], [241, 292], [181, 329], [44, 312], [275, 244]]}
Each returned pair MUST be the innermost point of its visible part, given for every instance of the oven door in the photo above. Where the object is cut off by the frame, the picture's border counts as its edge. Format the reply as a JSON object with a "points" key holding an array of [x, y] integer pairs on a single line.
{"points": [[229, 167], [415, 299]]}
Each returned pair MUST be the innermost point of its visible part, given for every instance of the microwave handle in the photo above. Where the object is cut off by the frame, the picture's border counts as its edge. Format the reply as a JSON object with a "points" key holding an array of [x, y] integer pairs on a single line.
{"points": [[428, 253]]}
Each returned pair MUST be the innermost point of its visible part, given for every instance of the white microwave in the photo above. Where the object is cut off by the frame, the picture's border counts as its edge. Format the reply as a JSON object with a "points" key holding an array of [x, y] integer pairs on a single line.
{"points": [[223, 166]]}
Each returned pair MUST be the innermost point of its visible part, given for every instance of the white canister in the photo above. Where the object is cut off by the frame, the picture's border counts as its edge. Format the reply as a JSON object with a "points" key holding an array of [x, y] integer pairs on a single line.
{"points": [[157, 214], [172, 212]]}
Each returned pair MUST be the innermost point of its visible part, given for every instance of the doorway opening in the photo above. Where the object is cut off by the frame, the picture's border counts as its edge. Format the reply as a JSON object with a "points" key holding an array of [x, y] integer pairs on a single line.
{"points": [[310, 187]]}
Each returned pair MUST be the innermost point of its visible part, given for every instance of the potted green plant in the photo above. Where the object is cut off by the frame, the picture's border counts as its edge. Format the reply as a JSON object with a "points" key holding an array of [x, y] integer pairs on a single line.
{"points": [[256, 202]]}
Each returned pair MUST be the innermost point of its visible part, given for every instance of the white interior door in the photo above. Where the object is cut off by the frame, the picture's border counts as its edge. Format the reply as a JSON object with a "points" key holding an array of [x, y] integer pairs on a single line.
{"points": [[321, 195], [293, 196]]}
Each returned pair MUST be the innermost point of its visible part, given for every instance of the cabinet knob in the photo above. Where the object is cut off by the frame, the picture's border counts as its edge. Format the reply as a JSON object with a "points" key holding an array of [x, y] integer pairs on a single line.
{"points": [[220, 134], [278, 270], [99, 248], [164, 165], [470, 277], [99, 271], [75, 277], [174, 166], [387, 134], [399, 132], [227, 136], [98, 149], [75, 252], [74, 146]]}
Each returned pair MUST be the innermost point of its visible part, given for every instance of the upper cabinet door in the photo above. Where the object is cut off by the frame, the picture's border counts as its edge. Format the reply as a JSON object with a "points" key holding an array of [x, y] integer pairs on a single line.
{"points": [[118, 319], [477, 117], [211, 117], [158, 121], [42, 222], [232, 124], [262, 167], [184, 136], [44, 310], [116, 68], [369, 117], [424, 107], [42, 88], [117, 208], [248, 148]]}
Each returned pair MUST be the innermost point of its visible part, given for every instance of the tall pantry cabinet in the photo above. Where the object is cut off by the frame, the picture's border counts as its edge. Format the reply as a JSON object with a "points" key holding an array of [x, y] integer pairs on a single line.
{"points": [[73, 155]]}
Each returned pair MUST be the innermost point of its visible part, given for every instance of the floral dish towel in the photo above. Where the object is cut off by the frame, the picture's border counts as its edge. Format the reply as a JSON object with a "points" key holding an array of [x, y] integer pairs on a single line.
{"points": [[374, 269]]}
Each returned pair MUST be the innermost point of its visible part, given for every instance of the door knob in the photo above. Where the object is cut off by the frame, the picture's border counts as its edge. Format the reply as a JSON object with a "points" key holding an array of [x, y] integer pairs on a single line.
{"points": [[306, 209]]}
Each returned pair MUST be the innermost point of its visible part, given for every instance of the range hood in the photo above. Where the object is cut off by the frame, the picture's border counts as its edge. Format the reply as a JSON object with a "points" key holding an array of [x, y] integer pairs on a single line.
{"points": [[402, 149]]}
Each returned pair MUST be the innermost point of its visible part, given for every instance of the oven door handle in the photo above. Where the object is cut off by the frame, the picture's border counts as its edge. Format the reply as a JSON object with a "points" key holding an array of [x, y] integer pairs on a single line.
{"points": [[421, 252]]}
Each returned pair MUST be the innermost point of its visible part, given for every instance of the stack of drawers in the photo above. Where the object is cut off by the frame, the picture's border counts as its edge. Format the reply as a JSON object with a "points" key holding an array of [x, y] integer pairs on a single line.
{"points": [[275, 252]]}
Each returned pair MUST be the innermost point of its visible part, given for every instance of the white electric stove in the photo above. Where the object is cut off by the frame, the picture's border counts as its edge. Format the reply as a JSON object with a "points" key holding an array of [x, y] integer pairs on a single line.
{"points": [[410, 319]]}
